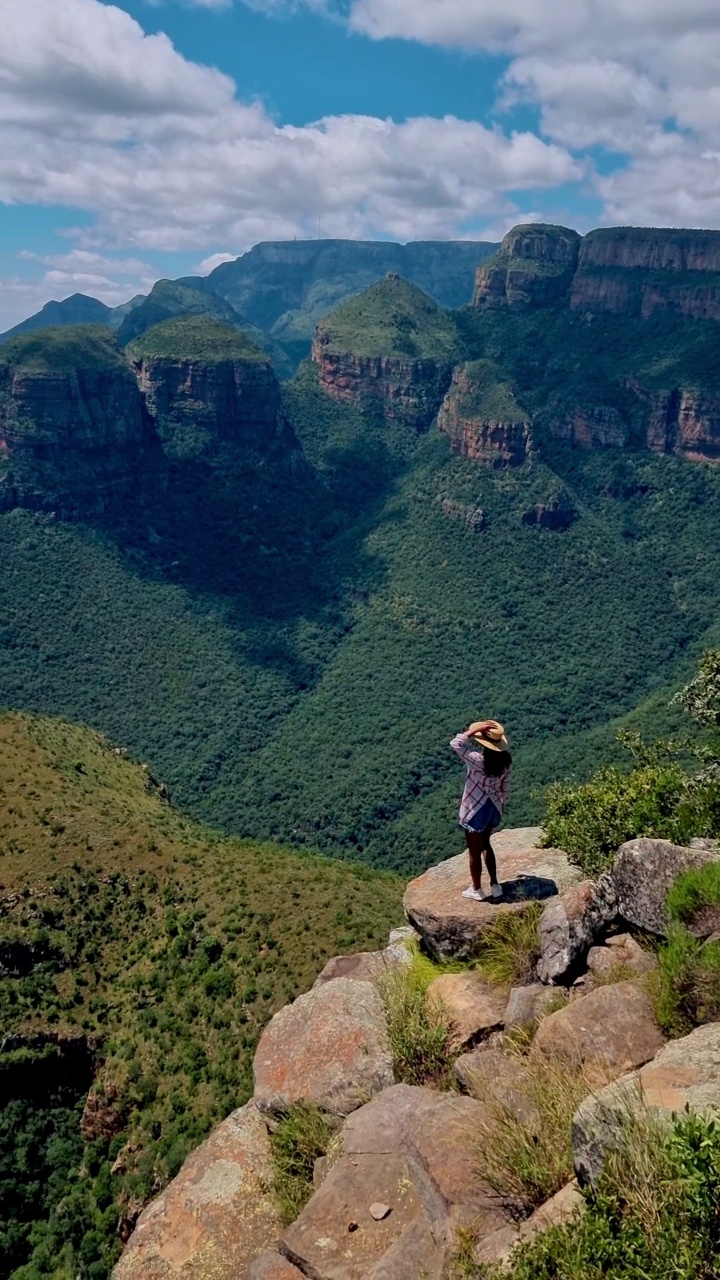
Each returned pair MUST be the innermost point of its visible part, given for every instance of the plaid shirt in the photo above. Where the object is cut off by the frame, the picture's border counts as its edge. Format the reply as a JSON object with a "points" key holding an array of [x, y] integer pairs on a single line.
{"points": [[479, 786]]}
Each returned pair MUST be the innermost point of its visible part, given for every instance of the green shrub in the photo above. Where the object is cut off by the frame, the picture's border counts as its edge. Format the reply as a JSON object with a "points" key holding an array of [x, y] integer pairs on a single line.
{"points": [[686, 988], [655, 1214], [693, 891], [591, 820], [419, 1030], [301, 1137], [509, 950]]}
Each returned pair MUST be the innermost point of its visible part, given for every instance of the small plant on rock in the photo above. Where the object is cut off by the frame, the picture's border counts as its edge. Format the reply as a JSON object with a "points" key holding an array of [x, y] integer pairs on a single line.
{"points": [[301, 1137]]}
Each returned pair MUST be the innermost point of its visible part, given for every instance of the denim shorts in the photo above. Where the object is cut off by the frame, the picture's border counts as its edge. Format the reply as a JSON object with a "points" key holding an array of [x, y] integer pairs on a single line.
{"points": [[488, 815]]}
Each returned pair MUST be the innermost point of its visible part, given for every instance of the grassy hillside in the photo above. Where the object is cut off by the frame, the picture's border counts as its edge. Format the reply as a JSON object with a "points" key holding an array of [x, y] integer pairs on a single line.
{"points": [[392, 318], [62, 350], [157, 943], [195, 338]]}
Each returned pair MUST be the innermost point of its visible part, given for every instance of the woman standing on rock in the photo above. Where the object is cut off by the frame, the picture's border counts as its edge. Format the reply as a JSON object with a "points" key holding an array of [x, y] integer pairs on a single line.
{"points": [[484, 798]]}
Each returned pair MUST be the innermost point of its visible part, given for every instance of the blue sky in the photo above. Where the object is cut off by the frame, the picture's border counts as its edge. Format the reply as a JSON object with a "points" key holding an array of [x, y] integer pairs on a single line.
{"points": [[142, 139]]}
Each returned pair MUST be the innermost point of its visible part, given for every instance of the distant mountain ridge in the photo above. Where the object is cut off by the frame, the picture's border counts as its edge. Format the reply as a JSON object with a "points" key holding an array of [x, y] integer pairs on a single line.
{"points": [[282, 288]]}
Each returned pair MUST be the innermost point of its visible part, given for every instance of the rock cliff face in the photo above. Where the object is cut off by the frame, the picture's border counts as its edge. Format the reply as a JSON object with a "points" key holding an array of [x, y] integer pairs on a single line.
{"points": [[638, 271], [633, 271], [533, 268], [75, 435], [482, 418], [405, 391], [683, 422], [675, 421], [197, 405], [207, 385]]}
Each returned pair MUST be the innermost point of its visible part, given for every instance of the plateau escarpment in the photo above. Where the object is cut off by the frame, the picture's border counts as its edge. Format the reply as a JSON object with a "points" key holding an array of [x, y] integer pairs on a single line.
{"points": [[534, 267], [74, 431], [207, 385], [389, 351], [482, 417], [630, 271]]}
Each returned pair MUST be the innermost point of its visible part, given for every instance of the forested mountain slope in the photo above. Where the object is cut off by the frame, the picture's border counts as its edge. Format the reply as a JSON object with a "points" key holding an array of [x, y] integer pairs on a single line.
{"points": [[144, 953], [325, 587]]}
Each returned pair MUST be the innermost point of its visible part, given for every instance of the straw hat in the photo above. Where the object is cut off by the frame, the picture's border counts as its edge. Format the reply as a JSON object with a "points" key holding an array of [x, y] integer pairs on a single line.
{"points": [[490, 734]]}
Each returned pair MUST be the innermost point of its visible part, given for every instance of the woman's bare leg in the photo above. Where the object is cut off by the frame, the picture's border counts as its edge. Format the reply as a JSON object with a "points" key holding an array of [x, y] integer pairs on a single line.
{"points": [[475, 855], [489, 854]]}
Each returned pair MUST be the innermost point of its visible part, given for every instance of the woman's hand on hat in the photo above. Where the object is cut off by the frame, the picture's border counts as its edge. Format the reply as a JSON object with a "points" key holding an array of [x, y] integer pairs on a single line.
{"points": [[478, 726]]}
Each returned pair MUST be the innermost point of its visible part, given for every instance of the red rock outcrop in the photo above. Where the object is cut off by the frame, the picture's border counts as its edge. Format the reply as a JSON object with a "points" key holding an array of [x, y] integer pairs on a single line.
{"points": [[475, 431], [74, 432], [399, 390], [640, 270], [684, 422], [198, 405], [592, 427], [533, 268]]}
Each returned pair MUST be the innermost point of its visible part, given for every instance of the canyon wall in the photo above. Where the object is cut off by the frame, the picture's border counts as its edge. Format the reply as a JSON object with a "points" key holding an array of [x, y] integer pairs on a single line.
{"points": [[399, 390]]}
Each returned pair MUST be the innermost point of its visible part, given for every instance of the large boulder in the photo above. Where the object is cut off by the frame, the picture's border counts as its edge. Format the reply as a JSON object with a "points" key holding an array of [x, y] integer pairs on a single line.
{"points": [[412, 1149], [569, 926], [620, 953], [643, 873], [215, 1216], [686, 1073], [365, 966], [329, 1048], [475, 1007], [451, 925], [499, 1081], [527, 1005], [612, 1028]]}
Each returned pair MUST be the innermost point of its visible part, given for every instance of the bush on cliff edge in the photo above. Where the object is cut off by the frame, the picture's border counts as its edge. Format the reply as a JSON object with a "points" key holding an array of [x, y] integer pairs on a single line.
{"points": [[672, 792]]}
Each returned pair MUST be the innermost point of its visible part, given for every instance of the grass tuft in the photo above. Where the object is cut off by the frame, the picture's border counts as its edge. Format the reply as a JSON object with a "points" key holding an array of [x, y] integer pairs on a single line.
{"points": [[509, 951], [420, 1031], [301, 1137], [526, 1160]]}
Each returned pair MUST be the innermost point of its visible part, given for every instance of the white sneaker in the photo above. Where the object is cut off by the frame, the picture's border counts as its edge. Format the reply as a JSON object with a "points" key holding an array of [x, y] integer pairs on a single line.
{"points": [[497, 891], [475, 894]]}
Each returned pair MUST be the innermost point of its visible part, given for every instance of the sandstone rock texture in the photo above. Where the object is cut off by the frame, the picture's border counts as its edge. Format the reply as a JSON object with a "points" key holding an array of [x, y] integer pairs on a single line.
{"points": [[272, 1266], [563, 1207], [475, 1007], [451, 925], [198, 405], [217, 1214], [612, 1028], [329, 1048], [569, 926], [475, 432], [75, 438], [412, 1149], [527, 1005], [686, 1073], [498, 1080], [365, 966], [620, 952], [643, 873], [558, 514], [405, 391], [534, 267]]}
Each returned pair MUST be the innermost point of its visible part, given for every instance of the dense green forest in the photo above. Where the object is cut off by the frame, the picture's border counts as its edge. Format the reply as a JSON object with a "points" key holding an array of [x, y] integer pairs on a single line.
{"points": [[291, 645]]}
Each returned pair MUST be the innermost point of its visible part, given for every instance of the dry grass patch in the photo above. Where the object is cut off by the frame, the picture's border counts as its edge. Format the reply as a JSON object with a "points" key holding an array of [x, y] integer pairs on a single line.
{"points": [[510, 949], [527, 1159]]}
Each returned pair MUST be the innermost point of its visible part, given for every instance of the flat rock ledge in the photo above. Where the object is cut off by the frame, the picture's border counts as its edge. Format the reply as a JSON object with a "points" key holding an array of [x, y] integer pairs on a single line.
{"points": [[451, 926], [329, 1049], [414, 1150], [215, 1216]]}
